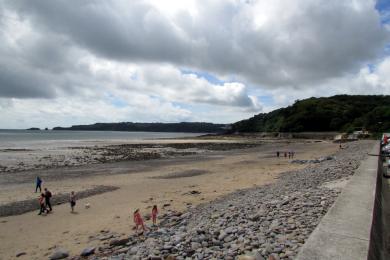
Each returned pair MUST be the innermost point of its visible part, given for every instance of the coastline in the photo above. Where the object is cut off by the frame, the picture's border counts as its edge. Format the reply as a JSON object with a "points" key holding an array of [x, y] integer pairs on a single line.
{"points": [[96, 152], [217, 173], [268, 222]]}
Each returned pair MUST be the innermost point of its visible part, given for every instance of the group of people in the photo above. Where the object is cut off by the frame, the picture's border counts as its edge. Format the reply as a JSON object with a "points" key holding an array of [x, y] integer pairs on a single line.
{"points": [[44, 202], [290, 154], [45, 198], [45, 206], [139, 222]]}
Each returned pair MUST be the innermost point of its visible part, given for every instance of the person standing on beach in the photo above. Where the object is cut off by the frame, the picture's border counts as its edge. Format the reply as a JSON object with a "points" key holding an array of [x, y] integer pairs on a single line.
{"points": [[72, 199], [154, 215], [277, 154], [47, 198], [42, 205], [138, 220], [38, 184]]}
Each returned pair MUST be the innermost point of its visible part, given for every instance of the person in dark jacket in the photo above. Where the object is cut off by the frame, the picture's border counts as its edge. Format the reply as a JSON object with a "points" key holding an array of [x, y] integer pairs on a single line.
{"points": [[47, 199]]}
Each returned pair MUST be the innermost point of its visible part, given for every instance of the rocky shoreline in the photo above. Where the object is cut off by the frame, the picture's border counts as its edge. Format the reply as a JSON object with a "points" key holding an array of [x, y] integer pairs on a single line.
{"points": [[267, 222], [18, 160]]}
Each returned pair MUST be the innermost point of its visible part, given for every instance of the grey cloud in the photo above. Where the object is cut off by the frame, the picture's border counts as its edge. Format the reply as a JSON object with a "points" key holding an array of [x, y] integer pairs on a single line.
{"points": [[49, 53], [40, 66], [21, 82], [117, 30], [317, 42]]}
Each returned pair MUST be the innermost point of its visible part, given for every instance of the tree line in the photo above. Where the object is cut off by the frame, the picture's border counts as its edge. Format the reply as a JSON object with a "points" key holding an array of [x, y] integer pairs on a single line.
{"points": [[342, 113]]}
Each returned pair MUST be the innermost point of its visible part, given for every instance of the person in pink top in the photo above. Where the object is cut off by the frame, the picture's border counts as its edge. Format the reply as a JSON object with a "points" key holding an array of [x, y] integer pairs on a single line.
{"points": [[138, 220], [154, 215]]}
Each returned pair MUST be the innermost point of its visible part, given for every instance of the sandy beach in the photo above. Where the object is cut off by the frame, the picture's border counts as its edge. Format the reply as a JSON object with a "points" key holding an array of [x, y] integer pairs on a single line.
{"points": [[176, 181]]}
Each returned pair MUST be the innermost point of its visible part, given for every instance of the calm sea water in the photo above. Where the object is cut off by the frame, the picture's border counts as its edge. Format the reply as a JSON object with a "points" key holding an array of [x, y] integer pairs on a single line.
{"points": [[34, 139]]}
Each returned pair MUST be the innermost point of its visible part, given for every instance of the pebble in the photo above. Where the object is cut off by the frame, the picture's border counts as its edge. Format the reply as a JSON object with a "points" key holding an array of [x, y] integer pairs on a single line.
{"points": [[119, 242], [59, 254], [20, 254], [88, 251]]}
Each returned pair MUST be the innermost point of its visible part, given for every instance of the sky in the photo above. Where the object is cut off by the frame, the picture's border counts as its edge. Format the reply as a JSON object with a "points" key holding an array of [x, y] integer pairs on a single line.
{"points": [[65, 62]]}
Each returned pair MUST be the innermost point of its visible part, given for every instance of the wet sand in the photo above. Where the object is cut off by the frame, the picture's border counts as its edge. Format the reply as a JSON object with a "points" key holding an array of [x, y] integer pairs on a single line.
{"points": [[141, 184]]}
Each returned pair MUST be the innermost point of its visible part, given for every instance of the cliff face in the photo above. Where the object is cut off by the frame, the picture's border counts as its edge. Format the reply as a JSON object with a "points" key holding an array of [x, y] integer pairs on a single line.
{"points": [[337, 113]]}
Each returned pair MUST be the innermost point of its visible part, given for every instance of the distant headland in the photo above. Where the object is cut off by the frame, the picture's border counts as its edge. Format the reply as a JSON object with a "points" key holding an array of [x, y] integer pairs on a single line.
{"points": [[36, 129], [184, 127]]}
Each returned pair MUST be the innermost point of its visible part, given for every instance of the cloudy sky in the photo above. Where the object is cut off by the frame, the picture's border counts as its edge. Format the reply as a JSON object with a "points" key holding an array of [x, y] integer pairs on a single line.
{"points": [[78, 62]]}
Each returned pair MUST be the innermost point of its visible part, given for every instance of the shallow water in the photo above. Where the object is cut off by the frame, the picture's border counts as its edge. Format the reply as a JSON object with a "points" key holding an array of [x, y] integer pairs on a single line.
{"points": [[28, 139]]}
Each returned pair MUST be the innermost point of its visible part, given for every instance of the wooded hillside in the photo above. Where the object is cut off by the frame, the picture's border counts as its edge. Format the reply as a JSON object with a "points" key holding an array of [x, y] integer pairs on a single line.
{"points": [[338, 113]]}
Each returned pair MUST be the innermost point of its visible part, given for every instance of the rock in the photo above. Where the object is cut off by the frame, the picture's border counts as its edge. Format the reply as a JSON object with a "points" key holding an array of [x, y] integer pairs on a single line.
{"points": [[88, 251], [122, 250], [229, 230], [255, 256], [134, 250], [119, 242], [167, 247], [20, 254], [102, 238], [59, 254], [222, 235], [274, 257], [228, 239], [289, 253], [195, 245], [254, 217]]}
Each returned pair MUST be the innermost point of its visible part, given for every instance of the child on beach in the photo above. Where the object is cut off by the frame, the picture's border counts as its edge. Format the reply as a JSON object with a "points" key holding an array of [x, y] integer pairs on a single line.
{"points": [[72, 199], [42, 204], [138, 220], [154, 215]]}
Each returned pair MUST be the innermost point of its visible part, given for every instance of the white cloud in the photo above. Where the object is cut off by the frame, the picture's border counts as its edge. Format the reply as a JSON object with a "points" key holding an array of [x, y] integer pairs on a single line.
{"points": [[368, 81], [23, 113]]}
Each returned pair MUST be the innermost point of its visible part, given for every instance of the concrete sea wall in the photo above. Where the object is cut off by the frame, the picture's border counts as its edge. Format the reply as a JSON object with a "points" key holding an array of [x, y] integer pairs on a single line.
{"points": [[354, 227]]}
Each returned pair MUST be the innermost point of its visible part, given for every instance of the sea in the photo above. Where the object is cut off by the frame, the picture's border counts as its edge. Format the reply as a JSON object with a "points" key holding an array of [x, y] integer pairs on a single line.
{"points": [[31, 139]]}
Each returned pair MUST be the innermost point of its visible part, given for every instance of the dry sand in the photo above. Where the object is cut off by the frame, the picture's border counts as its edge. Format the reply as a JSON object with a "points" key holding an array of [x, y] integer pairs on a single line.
{"points": [[214, 175]]}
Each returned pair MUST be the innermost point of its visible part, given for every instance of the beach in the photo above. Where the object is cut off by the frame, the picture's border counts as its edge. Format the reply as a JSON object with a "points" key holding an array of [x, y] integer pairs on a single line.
{"points": [[190, 174]]}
